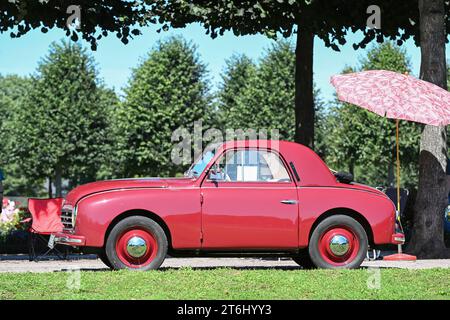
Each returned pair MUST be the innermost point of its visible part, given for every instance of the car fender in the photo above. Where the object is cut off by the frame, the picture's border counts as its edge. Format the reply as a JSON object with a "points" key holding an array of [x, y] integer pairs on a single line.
{"points": [[315, 203], [179, 209]]}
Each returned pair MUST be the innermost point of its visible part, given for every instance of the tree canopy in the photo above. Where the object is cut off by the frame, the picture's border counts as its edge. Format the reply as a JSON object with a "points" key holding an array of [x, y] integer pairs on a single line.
{"points": [[262, 96], [330, 20], [60, 129], [13, 90], [167, 91], [237, 78], [98, 18]]}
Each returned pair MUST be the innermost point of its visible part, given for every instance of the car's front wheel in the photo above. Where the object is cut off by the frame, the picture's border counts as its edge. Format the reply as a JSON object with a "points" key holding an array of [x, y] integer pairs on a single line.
{"points": [[338, 242], [136, 243]]}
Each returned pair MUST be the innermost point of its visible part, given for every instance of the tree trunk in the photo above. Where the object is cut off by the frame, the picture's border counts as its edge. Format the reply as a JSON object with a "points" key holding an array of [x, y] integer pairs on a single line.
{"points": [[58, 181], [427, 239], [304, 99], [50, 190]]}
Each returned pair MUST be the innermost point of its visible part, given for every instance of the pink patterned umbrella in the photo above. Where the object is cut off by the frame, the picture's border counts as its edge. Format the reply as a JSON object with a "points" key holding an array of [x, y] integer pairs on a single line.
{"points": [[395, 95]]}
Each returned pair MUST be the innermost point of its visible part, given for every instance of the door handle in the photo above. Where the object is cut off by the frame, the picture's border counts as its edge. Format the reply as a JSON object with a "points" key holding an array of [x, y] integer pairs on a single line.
{"points": [[289, 201]]}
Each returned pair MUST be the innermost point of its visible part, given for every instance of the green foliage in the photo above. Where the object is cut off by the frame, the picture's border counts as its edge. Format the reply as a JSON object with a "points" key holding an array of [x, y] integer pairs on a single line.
{"points": [[168, 90], [324, 17], [100, 141], [260, 97], [60, 130], [362, 142], [330, 20], [98, 18], [237, 78], [448, 77], [104, 167], [13, 90], [320, 122]]}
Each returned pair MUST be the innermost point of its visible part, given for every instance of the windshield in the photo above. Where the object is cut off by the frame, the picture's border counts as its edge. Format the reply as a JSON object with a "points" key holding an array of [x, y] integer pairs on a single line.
{"points": [[200, 164]]}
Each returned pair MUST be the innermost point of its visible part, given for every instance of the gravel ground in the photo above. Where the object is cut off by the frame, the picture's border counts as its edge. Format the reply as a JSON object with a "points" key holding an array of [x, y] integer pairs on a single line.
{"points": [[20, 263]]}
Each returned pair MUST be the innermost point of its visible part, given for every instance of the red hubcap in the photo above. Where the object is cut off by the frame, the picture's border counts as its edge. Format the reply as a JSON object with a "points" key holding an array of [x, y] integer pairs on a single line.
{"points": [[341, 254], [134, 241]]}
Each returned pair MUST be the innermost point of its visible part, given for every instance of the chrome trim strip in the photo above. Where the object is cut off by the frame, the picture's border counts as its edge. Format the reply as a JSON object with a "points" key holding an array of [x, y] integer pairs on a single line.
{"points": [[289, 201]]}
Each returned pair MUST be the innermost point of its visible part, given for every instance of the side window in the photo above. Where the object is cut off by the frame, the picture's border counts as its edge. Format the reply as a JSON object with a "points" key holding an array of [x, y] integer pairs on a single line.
{"points": [[252, 165]]}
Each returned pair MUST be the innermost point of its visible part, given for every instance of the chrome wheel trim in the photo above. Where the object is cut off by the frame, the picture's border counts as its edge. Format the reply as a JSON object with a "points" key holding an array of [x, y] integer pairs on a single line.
{"points": [[339, 245], [136, 247]]}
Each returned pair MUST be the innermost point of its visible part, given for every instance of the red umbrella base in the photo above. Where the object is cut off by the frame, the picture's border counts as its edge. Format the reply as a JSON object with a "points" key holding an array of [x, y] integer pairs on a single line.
{"points": [[400, 257]]}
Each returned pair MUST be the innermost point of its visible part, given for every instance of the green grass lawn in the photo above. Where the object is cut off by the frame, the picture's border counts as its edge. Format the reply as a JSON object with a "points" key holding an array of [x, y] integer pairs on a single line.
{"points": [[225, 283]]}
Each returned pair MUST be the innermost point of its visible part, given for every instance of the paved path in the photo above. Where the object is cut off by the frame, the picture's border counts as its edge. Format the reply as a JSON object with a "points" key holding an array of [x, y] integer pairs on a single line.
{"points": [[21, 264]]}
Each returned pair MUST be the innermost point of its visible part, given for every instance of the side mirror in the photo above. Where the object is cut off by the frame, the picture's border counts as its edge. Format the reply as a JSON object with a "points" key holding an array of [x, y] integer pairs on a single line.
{"points": [[215, 173], [447, 213]]}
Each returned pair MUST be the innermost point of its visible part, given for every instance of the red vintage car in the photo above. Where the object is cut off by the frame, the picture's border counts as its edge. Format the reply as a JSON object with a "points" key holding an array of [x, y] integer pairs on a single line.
{"points": [[252, 198]]}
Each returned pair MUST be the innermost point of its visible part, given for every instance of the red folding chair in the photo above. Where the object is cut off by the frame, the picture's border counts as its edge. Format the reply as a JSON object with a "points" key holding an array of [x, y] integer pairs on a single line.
{"points": [[45, 221]]}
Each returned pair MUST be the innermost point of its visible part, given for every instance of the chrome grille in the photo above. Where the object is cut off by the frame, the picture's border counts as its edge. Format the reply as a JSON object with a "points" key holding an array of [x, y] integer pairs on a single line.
{"points": [[67, 219]]}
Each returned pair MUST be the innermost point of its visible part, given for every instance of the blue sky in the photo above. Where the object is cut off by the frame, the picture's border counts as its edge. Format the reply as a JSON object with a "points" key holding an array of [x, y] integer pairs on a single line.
{"points": [[115, 60]]}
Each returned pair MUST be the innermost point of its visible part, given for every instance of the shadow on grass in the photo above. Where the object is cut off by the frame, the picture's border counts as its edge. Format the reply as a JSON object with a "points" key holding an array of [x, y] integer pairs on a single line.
{"points": [[208, 268], [25, 257]]}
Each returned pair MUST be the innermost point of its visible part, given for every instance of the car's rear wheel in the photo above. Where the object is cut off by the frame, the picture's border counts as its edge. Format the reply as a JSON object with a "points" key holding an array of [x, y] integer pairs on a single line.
{"points": [[136, 243], [338, 242]]}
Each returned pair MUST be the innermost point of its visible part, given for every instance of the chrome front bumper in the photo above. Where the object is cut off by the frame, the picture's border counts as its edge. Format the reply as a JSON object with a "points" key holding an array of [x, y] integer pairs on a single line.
{"points": [[69, 239]]}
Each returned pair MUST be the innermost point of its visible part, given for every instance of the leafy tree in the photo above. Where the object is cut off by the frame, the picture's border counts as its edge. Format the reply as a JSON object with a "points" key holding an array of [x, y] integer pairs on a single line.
{"points": [[61, 129], [238, 76], [262, 96], [328, 20], [105, 169], [13, 90], [364, 143], [448, 76], [167, 91], [87, 169], [97, 17]]}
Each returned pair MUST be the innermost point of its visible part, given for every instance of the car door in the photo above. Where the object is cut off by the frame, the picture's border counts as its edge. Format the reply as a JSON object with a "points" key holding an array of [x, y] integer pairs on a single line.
{"points": [[249, 203]]}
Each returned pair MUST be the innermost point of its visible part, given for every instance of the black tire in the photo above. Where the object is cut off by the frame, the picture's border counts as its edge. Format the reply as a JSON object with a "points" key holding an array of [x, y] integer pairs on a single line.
{"points": [[102, 256], [304, 260], [338, 221], [137, 223]]}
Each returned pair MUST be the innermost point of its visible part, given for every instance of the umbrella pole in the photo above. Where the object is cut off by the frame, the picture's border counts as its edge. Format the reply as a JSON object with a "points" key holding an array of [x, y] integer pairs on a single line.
{"points": [[398, 174], [399, 256], [398, 164]]}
